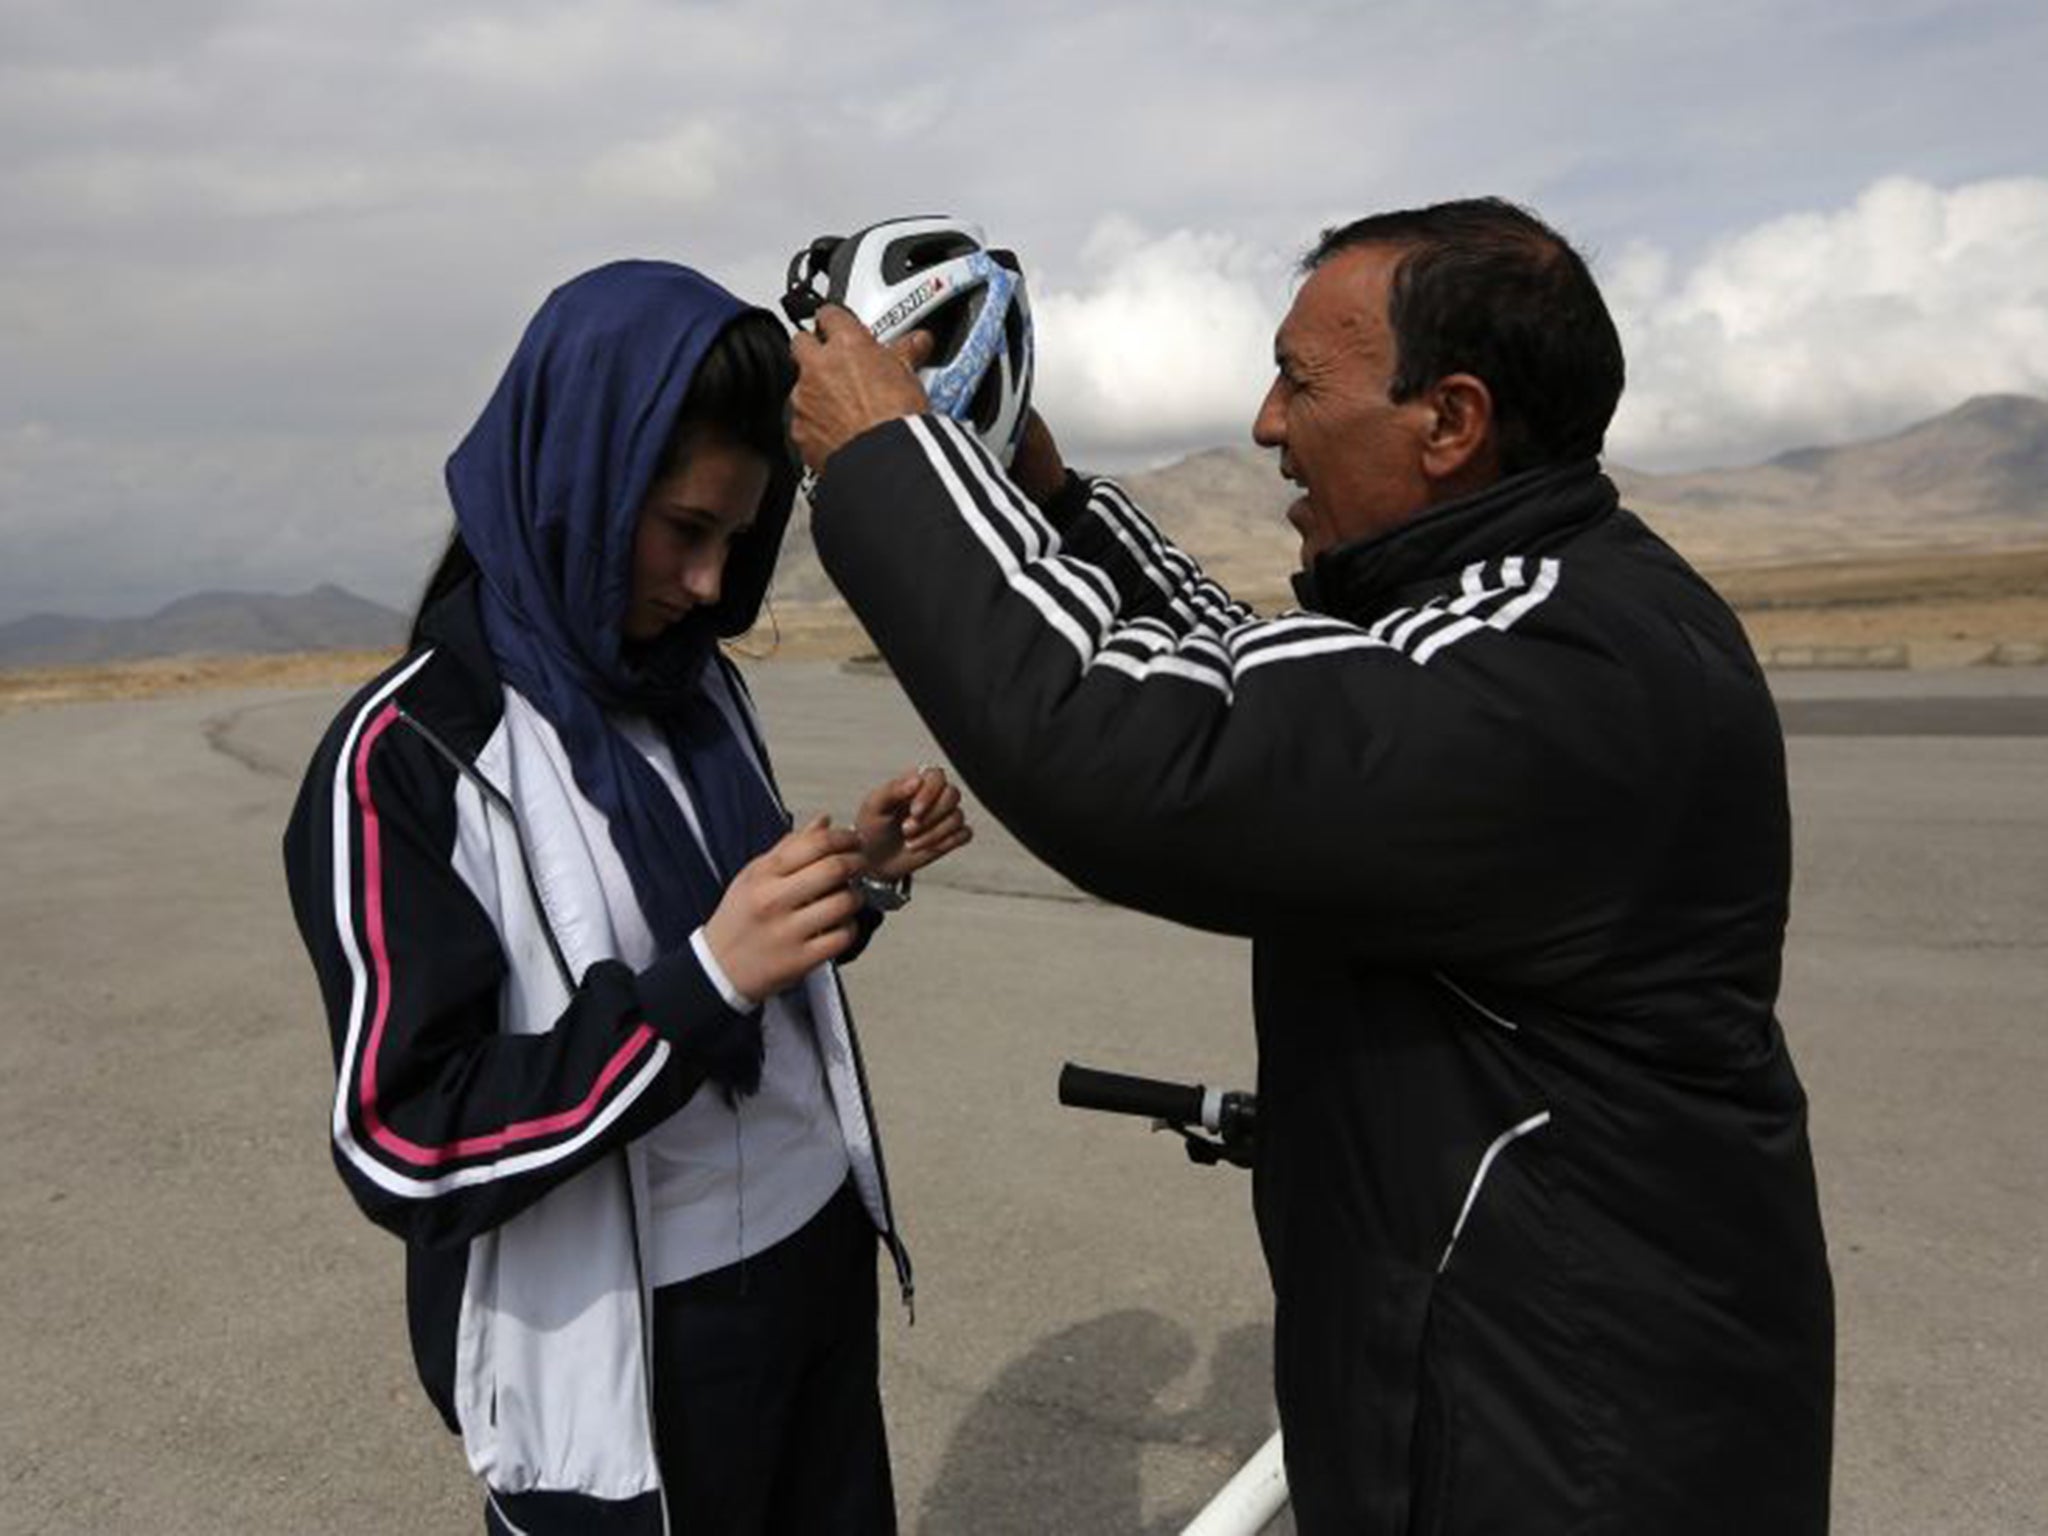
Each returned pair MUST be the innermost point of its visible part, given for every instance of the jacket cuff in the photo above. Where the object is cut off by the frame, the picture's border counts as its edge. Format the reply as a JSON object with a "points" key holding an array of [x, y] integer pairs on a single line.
{"points": [[852, 457], [735, 999], [688, 998], [866, 921]]}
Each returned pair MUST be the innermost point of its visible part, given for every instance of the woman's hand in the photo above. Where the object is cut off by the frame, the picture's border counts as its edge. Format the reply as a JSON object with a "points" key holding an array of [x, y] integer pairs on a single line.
{"points": [[788, 911], [909, 822]]}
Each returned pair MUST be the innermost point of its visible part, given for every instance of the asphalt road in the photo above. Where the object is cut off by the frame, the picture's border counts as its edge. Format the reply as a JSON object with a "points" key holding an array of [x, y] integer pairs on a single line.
{"points": [[201, 1336]]}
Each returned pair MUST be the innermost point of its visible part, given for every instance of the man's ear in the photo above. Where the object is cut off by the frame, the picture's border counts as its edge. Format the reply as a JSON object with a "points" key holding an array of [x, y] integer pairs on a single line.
{"points": [[1460, 448]]}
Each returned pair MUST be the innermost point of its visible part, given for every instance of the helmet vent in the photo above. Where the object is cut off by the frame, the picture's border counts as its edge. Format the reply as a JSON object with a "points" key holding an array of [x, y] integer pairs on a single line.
{"points": [[987, 401], [904, 258], [950, 323]]}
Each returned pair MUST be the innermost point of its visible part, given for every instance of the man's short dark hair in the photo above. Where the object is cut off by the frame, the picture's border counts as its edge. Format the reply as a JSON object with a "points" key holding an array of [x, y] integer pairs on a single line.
{"points": [[1486, 288]]}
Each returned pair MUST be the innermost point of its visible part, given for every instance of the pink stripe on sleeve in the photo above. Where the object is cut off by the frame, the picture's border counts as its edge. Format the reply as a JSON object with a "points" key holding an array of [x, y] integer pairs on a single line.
{"points": [[380, 958]]}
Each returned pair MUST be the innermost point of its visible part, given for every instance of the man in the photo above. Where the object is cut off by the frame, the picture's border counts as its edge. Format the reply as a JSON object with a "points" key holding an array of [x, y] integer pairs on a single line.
{"points": [[1503, 810]]}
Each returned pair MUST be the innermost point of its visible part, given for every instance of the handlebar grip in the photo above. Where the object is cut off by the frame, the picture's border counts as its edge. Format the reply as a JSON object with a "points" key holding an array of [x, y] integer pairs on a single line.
{"points": [[1088, 1088]]}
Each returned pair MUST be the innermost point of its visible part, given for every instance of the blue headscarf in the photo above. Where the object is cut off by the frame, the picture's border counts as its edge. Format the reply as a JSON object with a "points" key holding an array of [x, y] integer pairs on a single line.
{"points": [[547, 489]]}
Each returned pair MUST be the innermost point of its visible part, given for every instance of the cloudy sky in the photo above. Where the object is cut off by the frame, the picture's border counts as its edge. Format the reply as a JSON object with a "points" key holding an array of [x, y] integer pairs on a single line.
{"points": [[261, 260]]}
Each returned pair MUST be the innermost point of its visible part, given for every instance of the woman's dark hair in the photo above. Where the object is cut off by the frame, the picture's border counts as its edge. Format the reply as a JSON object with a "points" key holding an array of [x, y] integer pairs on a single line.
{"points": [[455, 566], [740, 391], [1486, 288]]}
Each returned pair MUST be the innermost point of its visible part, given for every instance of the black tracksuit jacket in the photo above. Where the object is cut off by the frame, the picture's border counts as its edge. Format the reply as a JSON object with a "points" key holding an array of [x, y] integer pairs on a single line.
{"points": [[1505, 817]]}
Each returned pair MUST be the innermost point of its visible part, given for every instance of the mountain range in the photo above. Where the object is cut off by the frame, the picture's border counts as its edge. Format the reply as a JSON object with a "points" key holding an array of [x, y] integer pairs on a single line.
{"points": [[1974, 478], [328, 618]]}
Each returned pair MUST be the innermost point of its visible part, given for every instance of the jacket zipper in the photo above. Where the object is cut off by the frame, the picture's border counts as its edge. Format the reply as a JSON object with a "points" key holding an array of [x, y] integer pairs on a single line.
{"points": [[497, 798], [899, 1255], [646, 1297]]}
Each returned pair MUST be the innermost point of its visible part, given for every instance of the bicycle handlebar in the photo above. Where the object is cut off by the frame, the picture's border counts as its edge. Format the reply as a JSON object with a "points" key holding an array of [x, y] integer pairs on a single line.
{"points": [[1231, 1118], [1175, 1103]]}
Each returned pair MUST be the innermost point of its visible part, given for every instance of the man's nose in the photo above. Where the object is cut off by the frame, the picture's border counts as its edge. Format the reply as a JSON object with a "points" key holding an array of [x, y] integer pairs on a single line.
{"points": [[1269, 427]]}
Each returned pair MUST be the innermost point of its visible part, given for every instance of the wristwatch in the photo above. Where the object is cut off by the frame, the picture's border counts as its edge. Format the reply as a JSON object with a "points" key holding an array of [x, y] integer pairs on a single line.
{"points": [[879, 895]]}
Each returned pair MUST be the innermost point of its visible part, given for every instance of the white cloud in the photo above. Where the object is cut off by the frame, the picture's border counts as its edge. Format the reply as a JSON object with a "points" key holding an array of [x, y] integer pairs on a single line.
{"points": [[1810, 328], [586, 56], [1832, 325], [531, 51], [141, 187], [908, 114], [237, 223], [1166, 343], [685, 165]]}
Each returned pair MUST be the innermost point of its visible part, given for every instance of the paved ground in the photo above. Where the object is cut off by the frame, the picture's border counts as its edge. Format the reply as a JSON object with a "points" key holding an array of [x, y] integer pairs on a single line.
{"points": [[201, 1337]]}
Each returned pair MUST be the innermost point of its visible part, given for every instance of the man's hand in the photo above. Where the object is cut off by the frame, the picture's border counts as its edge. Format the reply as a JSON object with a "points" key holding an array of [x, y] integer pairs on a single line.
{"points": [[848, 382], [788, 911], [911, 821]]}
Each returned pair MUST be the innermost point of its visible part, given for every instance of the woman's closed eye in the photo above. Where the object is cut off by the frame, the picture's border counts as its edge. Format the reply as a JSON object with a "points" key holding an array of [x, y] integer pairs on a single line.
{"points": [[693, 530]]}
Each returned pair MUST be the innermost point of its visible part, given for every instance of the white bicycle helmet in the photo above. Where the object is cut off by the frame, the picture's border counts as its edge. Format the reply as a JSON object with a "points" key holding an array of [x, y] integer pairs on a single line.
{"points": [[935, 273]]}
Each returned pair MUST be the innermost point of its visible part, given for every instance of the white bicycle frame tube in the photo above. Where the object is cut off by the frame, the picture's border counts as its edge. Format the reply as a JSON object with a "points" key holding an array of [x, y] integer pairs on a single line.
{"points": [[1249, 1500]]}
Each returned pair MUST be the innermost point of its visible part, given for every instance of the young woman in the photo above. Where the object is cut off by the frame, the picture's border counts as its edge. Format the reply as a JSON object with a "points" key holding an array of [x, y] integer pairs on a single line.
{"points": [[593, 1060]]}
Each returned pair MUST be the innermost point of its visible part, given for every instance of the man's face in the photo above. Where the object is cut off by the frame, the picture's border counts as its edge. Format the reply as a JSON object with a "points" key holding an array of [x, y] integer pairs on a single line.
{"points": [[1356, 454]]}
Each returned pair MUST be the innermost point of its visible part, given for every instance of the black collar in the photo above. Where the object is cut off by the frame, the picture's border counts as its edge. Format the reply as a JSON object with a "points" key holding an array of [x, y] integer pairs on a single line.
{"points": [[1524, 514]]}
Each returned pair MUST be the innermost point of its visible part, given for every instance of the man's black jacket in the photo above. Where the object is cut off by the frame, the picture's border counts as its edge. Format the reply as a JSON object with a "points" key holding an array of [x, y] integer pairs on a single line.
{"points": [[1506, 819]]}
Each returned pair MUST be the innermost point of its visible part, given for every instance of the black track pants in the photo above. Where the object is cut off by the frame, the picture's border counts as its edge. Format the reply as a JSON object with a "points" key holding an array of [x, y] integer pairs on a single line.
{"points": [[766, 1403]]}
